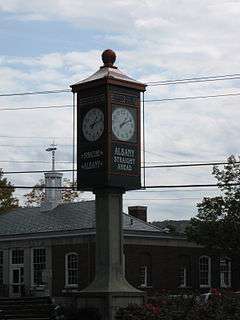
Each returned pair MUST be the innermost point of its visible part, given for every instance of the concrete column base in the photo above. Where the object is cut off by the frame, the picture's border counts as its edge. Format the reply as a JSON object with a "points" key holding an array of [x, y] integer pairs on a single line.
{"points": [[108, 303], [110, 290]]}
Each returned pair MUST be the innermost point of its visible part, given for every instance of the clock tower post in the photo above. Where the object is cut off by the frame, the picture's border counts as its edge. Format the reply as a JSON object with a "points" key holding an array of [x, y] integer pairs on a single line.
{"points": [[108, 164]]}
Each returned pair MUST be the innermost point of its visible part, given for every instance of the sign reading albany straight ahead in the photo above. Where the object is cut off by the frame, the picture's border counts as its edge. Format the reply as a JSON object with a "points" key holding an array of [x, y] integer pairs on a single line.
{"points": [[108, 129]]}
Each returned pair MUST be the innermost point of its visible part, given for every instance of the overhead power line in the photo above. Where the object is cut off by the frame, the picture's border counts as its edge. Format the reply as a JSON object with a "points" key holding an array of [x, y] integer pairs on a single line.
{"points": [[37, 107], [34, 92], [31, 161], [172, 190], [30, 145], [187, 165], [190, 186], [146, 167], [147, 199], [147, 101], [33, 137], [195, 97], [70, 170], [146, 187], [235, 76], [162, 199], [35, 171], [35, 187]]}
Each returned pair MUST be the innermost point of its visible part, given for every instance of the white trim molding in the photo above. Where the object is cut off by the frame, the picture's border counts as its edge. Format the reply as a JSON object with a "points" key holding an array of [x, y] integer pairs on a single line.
{"points": [[205, 272], [33, 284], [73, 269], [143, 276], [183, 277], [225, 272]]}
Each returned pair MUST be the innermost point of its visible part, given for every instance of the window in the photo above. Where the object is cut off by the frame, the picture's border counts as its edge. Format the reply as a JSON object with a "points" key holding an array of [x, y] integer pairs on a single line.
{"points": [[71, 269], [184, 271], [1, 267], [124, 264], [145, 269], [183, 277], [205, 271], [39, 266], [225, 272], [143, 276], [17, 256]]}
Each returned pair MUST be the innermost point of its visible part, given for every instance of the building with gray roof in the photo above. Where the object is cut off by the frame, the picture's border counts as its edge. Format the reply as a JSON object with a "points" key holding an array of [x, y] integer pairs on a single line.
{"points": [[50, 250]]}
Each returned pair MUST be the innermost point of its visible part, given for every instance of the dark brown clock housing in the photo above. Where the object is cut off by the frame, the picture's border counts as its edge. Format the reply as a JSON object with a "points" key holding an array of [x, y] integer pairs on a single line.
{"points": [[108, 129]]}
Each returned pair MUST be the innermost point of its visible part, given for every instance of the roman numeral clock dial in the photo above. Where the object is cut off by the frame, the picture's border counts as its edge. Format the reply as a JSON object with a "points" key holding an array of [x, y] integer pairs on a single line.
{"points": [[123, 124], [93, 124]]}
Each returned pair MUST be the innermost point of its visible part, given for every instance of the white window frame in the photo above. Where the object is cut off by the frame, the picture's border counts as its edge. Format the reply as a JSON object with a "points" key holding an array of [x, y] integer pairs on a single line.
{"points": [[11, 257], [1, 266], [124, 264], [229, 273], [32, 265], [208, 285], [144, 283], [67, 284], [19, 265], [184, 284]]}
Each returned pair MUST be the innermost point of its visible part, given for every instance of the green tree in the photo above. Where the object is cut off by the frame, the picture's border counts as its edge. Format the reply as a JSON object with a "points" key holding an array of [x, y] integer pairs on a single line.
{"points": [[217, 224], [7, 200], [37, 194]]}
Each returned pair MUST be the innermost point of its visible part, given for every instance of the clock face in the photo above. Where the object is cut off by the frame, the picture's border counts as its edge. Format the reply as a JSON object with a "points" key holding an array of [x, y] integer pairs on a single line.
{"points": [[123, 124], [93, 124]]}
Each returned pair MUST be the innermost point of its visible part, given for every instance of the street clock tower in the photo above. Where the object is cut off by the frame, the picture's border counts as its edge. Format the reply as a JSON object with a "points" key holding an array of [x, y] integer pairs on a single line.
{"points": [[108, 134], [108, 163]]}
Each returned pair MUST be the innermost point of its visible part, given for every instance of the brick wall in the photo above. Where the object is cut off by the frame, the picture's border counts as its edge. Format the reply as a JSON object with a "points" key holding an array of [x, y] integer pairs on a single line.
{"points": [[163, 265], [85, 253]]}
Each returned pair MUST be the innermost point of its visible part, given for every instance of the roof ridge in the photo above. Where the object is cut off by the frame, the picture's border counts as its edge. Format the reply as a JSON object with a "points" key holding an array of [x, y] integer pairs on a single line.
{"points": [[145, 222]]}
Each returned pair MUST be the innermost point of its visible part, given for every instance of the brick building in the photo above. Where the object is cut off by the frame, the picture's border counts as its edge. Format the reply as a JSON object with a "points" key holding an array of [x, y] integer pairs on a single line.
{"points": [[50, 250]]}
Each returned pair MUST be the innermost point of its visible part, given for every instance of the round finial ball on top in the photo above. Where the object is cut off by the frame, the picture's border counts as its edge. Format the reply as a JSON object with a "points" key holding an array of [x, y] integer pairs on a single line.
{"points": [[108, 58]]}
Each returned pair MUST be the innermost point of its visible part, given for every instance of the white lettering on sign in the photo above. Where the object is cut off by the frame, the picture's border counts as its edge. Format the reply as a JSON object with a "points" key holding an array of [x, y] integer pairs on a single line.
{"points": [[124, 159], [124, 152], [91, 160], [124, 167], [92, 165], [91, 154]]}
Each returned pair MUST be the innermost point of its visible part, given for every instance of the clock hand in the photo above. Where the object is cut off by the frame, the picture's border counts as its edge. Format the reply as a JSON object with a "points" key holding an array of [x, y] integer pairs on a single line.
{"points": [[124, 122], [95, 122]]}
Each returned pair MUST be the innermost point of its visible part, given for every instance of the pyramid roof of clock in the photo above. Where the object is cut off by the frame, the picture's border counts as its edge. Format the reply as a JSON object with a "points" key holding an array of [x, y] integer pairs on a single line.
{"points": [[110, 72]]}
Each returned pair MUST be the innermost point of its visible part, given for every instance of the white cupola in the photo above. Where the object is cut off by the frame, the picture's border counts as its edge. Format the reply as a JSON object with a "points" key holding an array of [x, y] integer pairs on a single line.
{"points": [[53, 184]]}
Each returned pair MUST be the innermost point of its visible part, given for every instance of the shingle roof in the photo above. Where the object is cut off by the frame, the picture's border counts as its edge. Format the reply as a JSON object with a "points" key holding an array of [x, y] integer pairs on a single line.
{"points": [[65, 217]]}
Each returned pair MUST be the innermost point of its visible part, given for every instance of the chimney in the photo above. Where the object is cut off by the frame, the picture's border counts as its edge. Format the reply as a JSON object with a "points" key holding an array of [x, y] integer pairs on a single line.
{"points": [[139, 212], [53, 193]]}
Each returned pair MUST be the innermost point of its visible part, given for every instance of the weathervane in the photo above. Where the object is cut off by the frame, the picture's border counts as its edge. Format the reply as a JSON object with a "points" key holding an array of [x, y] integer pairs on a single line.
{"points": [[52, 148]]}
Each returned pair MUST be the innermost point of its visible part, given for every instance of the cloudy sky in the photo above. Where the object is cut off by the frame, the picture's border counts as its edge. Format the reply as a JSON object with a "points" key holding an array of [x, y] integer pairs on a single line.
{"points": [[48, 45]]}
